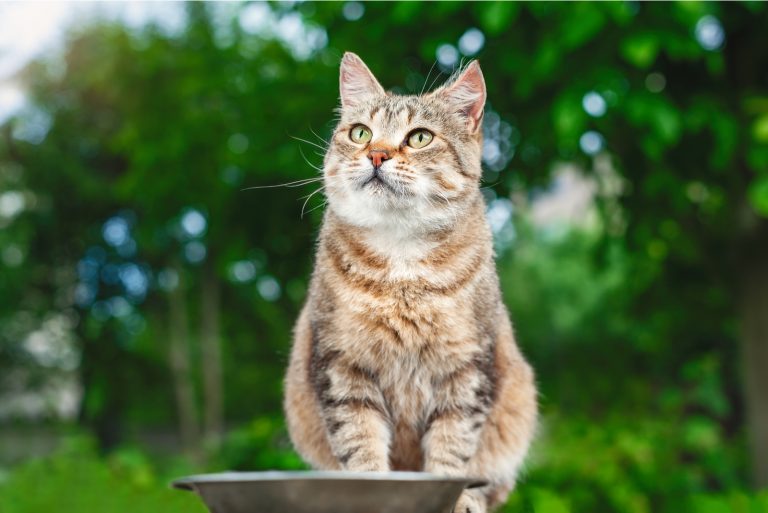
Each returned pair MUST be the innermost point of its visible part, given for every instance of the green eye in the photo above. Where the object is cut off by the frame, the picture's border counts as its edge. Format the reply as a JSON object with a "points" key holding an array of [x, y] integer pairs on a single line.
{"points": [[419, 138], [360, 134]]}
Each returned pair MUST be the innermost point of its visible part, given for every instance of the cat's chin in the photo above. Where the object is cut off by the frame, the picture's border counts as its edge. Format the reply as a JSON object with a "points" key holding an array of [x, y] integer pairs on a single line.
{"points": [[382, 210], [371, 206]]}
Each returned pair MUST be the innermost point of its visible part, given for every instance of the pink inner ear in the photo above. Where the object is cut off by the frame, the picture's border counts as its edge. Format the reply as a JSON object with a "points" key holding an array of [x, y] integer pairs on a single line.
{"points": [[467, 93], [356, 82]]}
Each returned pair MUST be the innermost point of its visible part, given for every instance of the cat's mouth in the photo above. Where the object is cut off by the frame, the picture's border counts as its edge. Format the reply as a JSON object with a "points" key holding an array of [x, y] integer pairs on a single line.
{"points": [[377, 183]]}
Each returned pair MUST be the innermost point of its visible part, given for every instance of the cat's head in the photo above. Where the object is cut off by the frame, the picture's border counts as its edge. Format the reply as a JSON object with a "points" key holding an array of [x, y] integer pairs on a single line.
{"points": [[412, 161]]}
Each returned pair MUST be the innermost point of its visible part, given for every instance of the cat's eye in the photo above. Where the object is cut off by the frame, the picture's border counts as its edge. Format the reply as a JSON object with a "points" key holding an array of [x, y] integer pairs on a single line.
{"points": [[360, 134], [419, 138]]}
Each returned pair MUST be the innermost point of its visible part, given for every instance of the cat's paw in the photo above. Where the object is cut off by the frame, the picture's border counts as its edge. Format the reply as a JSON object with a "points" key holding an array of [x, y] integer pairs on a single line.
{"points": [[470, 503]]}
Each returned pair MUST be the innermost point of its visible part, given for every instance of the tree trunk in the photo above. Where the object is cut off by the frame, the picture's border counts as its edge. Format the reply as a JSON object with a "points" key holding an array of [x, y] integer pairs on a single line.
{"points": [[754, 319], [210, 346], [105, 389], [179, 360]]}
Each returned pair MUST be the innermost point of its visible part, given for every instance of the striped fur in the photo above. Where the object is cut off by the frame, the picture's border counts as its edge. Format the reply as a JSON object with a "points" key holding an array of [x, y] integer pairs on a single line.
{"points": [[404, 356]]}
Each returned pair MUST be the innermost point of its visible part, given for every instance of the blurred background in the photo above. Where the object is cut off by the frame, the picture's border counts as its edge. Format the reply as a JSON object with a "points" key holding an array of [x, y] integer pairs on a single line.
{"points": [[147, 294]]}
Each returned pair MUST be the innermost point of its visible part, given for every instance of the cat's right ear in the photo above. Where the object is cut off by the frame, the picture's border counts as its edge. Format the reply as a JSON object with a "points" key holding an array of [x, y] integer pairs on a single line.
{"points": [[356, 82]]}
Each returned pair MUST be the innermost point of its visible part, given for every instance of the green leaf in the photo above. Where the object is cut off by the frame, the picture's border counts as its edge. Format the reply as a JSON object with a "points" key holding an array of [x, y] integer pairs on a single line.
{"points": [[726, 130], [569, 118], [758, 195], [591, 20], [710, 504], [757, 157], [760, 129], [546, 501], [495, 17], [640, 49]]}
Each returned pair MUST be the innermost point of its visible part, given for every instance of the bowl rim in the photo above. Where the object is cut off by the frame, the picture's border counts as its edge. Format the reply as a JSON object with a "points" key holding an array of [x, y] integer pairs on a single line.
{"points": [[190, 483]]}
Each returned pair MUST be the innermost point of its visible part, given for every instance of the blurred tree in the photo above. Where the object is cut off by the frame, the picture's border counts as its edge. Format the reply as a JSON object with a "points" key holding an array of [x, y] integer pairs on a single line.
{"points": [[154, 134]]}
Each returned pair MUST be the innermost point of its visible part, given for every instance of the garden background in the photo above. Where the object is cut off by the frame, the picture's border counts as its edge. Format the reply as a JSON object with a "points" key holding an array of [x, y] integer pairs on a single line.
{"points": [[147, 292]]}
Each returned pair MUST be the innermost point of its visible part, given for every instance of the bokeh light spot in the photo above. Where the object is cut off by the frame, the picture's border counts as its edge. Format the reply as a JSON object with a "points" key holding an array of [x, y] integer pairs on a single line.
{"points": [[242, 271], [447, 55], [85, 294], [194, 252], [193, 223], [116, 231], [499, 213], [231, 175], [471, 42], [134, 280], [655, 82], [11, 203], [12, 99], [168, 279], [12, 255], [491, 151], [594, 104], [238, 143], [254, 16], [269, 288], [120, 307], [353, 11], [591, 142], [710, 33]]}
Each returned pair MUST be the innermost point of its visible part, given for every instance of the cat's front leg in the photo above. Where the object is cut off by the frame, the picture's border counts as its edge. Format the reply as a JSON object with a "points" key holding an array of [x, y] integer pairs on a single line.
{"points": [[462, 402], [449, 444], [356, 418]]}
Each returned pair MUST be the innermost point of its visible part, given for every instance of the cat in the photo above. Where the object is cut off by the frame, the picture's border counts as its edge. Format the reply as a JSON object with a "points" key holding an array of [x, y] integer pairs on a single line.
{"points": [[403, 355]]}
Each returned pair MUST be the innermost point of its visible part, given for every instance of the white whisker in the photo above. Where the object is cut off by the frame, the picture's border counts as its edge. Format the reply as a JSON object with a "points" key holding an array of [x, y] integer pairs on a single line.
{"points": [[323, 148], [297, 183], [308, 162], [427, 79], [327, 143], [324, 203], [308, 198], [439, 73]]}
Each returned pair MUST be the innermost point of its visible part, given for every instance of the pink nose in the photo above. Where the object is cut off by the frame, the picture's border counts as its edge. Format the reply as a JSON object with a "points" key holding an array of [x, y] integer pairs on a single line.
{"points": [[377, 157]]}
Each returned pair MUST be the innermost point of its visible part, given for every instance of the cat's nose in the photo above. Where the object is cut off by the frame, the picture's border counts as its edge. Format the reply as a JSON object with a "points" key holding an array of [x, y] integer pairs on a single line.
{"points": [[377, 157]]}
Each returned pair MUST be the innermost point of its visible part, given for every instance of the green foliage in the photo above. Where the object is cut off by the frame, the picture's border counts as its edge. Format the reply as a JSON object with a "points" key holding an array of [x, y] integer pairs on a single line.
{"points": [[630, 320], [262, 444], [77, 479], [618, 465]]}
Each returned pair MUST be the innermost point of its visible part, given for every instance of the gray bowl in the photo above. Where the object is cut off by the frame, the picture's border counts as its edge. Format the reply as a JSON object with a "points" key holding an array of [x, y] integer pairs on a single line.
{"points": [[326, 492]]}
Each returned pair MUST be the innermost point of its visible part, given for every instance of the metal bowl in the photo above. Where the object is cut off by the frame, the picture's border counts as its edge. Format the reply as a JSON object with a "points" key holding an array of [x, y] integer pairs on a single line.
{"points": [[326, 492]]}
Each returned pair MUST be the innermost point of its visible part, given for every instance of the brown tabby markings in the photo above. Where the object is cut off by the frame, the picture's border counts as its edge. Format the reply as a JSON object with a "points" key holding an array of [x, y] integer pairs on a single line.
{"points": [[403, 356]]}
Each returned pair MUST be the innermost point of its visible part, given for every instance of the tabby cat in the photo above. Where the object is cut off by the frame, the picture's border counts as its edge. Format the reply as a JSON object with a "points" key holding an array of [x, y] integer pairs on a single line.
{"points": [[403, 356]]}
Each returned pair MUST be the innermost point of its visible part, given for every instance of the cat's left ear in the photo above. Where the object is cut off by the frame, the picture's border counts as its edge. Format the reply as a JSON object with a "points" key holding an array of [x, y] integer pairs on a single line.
{"points": [[356, 82], [467, 94]]}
